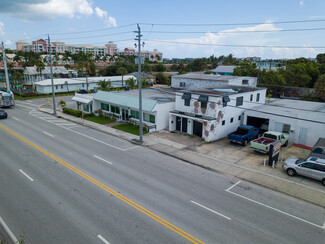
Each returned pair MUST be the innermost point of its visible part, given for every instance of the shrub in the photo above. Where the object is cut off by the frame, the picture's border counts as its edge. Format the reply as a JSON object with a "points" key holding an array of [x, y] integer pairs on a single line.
{"points": [[72, 112]]}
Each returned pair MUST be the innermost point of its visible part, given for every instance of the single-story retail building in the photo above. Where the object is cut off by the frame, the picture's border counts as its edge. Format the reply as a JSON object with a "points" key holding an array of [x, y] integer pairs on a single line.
{"points": [[304, 121], [156, 104], [73, 84]]}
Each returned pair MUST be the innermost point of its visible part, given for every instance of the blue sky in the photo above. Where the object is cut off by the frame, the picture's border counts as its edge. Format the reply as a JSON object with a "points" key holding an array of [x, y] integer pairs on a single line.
{"points": [[62, 19]]}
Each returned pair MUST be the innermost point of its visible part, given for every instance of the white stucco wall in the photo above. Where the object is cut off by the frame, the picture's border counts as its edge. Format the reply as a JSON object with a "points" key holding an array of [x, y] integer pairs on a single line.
{"points": [[162, 115], [198, 83]]}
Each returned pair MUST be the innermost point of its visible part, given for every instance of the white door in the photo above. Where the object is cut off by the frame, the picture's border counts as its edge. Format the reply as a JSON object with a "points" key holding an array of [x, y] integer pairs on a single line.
{"points": [[302, 136]]}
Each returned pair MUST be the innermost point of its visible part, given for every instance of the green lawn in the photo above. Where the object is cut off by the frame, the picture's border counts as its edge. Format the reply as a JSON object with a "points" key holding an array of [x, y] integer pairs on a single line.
{"points": [[100, 120], [130, 128]]}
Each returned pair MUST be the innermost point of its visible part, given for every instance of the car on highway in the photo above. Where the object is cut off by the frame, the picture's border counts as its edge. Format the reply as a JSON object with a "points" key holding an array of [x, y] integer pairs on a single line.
{"points": [[3, 114], [311, 167]]}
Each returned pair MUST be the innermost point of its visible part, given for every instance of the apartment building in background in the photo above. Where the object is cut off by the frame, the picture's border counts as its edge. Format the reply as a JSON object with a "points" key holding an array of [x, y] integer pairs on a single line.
{"points": [[59, 47]]}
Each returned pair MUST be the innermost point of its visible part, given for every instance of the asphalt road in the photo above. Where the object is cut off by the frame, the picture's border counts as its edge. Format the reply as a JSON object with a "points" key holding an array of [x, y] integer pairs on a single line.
{"points": [[64, 183]]}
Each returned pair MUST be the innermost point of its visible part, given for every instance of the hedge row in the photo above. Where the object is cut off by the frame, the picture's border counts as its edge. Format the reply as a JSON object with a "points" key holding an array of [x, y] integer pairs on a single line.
{"points": [[72, 112]]}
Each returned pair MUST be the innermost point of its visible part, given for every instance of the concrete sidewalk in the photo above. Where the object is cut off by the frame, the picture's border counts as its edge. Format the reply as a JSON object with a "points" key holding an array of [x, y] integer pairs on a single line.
{"points": [[218, 159]]}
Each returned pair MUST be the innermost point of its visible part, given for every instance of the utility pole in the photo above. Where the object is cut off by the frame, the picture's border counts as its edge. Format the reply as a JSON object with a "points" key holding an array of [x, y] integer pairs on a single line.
{"points": [[5, 66], [53, 93], [139, 83]]}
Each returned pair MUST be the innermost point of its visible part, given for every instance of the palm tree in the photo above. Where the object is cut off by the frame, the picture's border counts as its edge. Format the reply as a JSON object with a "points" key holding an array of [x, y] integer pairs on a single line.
{"points": [[40, 66], [86, 64], [104, 85], [130, 82], [67, 84], [122, 71]]}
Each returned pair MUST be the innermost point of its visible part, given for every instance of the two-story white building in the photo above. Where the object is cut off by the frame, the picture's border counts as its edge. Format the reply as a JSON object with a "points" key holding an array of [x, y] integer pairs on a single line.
{"points": [[197, 81], [213, 113]]}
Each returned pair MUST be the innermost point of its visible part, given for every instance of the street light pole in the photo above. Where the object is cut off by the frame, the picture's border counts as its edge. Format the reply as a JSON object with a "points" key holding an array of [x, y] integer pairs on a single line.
{"points": [[53, 92], [139, 83], [5, 66]]}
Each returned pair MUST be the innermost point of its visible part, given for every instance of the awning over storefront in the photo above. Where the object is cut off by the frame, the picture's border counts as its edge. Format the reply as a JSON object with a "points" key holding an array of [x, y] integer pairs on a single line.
{"points": [[186, 96], [203, 98], [82, 100]]}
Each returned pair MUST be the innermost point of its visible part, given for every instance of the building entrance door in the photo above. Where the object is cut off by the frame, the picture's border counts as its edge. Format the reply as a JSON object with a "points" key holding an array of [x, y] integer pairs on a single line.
{"points": [[125, 114], [184, 125], [302, 136], [178, 123], [197, 128]]}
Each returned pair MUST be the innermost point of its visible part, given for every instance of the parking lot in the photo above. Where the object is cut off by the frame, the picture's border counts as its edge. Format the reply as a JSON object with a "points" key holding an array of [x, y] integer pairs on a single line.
{"points": [[244, 156]]}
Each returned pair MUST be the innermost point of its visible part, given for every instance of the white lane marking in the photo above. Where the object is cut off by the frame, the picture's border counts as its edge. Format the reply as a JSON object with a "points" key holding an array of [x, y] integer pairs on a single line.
{"points": [[102, 159], [15, 118], [30, 178], [107, 144], [277, 210], [60, 124], [211, 210], [233, 186], [131, 148], [23, 106], [103, 239], [5, 226], [48, 134]]}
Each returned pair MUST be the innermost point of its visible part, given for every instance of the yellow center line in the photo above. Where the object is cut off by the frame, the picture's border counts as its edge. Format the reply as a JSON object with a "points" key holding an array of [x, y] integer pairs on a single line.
{"points": [[111, 191]]}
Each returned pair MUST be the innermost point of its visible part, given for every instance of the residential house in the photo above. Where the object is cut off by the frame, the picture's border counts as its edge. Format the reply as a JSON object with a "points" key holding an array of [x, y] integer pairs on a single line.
{"points": [[32, 75], [213, 113]]}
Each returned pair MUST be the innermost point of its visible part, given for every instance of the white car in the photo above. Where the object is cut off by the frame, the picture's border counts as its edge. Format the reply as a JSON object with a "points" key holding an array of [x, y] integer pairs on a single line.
{"points": [[311, 167]]}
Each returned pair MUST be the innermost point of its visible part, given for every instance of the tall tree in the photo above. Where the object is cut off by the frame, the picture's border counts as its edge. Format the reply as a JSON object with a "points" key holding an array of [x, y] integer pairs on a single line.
{"points": [[122, 71], [246, 68]]}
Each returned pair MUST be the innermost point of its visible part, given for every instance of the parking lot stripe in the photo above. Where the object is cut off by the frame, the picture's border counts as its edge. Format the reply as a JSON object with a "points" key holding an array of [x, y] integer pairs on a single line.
{"points": [[277, 210], [233, 186], [15, 118], [5, 226], [103, 239], [224, 216]]}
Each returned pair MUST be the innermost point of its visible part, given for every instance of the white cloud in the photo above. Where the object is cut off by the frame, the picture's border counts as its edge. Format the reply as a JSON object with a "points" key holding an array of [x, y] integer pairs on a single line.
{"points": [[1, 28], [227, 37], [47, 9], [26, 36], [108, 20], [302, 2], [8, 42]]}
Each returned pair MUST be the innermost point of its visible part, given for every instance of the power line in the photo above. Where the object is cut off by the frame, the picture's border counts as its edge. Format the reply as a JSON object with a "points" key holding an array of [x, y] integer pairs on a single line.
{"points": [[247, 23], [89, 31], [86, 37], [234, 45], [233, 32]]}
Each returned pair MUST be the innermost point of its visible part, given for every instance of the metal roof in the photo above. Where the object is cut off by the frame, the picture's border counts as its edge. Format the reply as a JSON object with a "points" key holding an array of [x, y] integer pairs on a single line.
{"points": [[220, 78], [125, 100], [224, 68], [305, 110]]}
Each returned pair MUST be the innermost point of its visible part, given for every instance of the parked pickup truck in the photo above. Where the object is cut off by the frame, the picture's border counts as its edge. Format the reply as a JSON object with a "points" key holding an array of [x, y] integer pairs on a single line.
{"points": [[262, 144], [243, 134]]}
